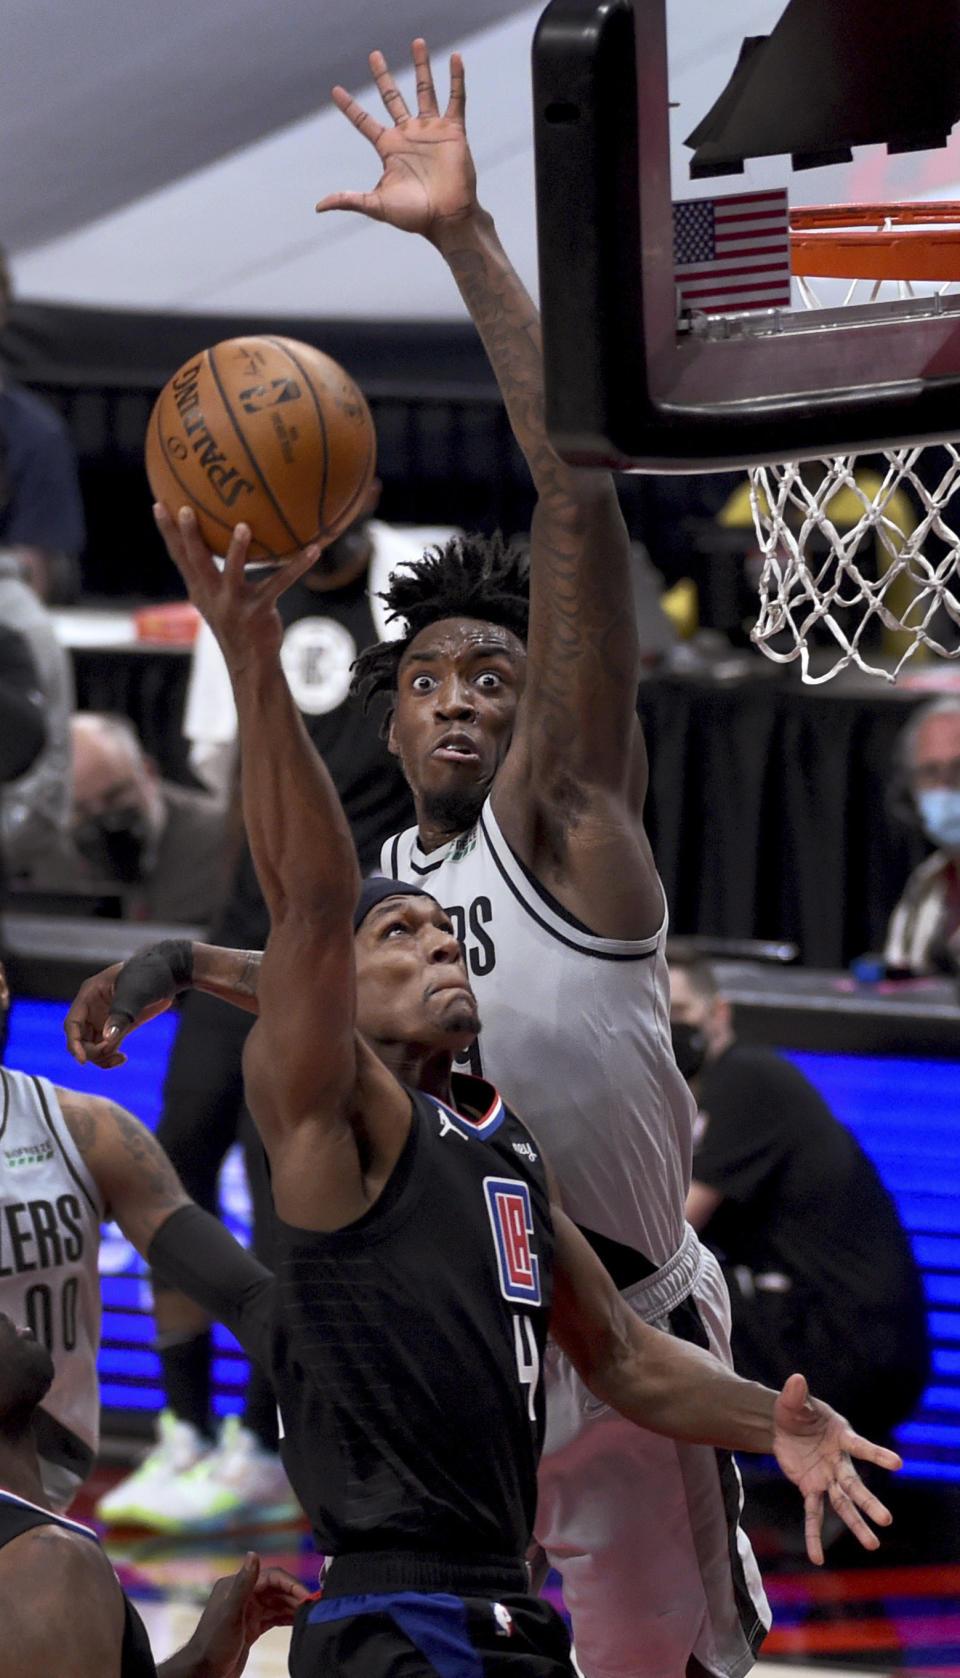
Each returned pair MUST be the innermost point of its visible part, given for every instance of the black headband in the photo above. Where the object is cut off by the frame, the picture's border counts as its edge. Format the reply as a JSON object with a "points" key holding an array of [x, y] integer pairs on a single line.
{"points": [[374, 890]]}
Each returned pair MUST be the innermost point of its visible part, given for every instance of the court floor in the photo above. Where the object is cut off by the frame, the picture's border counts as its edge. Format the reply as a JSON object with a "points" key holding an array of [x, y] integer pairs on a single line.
{"points": [[898, 1612]]}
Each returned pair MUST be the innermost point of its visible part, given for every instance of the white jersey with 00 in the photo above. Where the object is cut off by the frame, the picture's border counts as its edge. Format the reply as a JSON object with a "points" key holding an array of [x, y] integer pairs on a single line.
{"points": [[575, 1033], [50, 1216]]}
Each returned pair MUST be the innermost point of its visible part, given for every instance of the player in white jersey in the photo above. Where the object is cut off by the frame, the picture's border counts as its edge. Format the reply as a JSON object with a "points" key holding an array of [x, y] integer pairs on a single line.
{"points": [[528, 770], [68, 1161]]}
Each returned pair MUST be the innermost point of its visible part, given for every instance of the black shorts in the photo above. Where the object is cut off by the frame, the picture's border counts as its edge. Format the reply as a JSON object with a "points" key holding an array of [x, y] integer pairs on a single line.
{"points": [[409, 1634]]}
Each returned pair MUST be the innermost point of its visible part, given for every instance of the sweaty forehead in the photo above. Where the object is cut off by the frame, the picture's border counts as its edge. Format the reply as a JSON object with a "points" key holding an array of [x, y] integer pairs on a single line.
{"points": [[462, 637]]}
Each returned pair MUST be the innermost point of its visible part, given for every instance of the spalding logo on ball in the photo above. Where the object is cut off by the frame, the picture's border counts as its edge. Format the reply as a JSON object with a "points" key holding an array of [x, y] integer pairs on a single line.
{"points": [[265, 431]]}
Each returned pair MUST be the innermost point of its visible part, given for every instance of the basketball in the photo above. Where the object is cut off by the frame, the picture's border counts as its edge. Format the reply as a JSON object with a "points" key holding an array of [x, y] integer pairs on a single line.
{"points": [[267, 431]]}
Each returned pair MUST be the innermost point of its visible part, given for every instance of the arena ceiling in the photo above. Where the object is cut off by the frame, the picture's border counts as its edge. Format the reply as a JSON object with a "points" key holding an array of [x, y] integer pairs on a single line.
{"points": [[169, 157]]}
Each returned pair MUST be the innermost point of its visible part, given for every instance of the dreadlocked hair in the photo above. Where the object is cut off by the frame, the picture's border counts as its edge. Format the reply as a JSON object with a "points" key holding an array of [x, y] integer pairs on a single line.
{"points": [[468, 577]]}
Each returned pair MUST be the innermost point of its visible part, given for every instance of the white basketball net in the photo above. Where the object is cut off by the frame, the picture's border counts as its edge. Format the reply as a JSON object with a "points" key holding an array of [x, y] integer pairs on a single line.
{"points": [[856, 551], [860, 549]]}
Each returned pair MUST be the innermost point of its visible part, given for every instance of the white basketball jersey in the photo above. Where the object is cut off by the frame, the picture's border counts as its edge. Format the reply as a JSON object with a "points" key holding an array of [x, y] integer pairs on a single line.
{"points": [[575, 1035], [50, 1216]]}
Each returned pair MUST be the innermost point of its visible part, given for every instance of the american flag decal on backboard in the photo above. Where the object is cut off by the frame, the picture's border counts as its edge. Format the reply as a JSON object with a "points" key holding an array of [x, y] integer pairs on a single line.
{"points": [[732, 253], [511, 1219]]}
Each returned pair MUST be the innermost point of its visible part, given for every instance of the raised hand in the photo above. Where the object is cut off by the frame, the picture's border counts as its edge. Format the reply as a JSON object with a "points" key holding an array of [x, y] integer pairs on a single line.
{"points": [[814, 1447], [428, 178], [240, 607]]}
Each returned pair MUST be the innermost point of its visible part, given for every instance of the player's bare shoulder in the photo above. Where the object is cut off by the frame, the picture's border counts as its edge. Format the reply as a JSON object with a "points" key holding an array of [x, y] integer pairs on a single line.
{"points": [[82, 1609]]}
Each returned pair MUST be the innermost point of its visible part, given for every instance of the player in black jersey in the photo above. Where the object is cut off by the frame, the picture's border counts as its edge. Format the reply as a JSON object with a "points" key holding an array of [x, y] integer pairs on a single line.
{"points": [[420, 1254], [521, 744], [61, 1605]]}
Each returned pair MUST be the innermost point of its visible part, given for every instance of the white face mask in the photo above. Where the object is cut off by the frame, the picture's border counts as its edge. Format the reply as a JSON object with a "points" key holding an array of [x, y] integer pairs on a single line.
{"points": [[940, 814]]}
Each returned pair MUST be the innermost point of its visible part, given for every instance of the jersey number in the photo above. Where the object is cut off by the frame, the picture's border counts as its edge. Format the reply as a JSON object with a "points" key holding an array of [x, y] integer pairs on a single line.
{"points": [[528, 1360], [40, 1314], [469, 1060]]}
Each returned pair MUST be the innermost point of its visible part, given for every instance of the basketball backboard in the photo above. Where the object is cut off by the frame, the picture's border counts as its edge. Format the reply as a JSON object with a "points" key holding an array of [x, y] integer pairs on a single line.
{"points": [[633, 383]]}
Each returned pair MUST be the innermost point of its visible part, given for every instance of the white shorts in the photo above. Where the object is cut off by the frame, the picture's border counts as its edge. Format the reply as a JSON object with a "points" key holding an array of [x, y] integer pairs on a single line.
{"points": [[644, 1530]]}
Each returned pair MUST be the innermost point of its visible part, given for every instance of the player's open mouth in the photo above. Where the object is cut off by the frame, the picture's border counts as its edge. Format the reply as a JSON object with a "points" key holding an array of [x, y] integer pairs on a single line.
{"points": [[456, 748]]}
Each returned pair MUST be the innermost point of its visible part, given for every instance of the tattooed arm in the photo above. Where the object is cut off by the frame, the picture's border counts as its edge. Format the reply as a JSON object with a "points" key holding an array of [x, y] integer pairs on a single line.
{"points": [[570, 793], [139, 1185]]}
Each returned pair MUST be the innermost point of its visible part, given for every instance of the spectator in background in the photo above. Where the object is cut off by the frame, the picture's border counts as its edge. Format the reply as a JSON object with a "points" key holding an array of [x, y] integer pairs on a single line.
{"points": [[35, 806], [23, 731], [923, 935], [820, 1270], [41, 511], [162, 842]]}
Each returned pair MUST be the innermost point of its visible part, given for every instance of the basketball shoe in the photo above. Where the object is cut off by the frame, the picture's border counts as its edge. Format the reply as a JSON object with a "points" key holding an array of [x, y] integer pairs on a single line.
{"points": [[141, 1499], [236, 1486]]}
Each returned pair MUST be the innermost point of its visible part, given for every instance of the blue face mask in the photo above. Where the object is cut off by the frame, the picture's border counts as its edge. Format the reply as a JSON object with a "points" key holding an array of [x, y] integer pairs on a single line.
{"points": [[940, 814]]}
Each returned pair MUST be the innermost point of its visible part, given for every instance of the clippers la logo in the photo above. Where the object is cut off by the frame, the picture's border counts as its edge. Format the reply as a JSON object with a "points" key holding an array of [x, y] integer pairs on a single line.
{"points": [[511, 1219]]}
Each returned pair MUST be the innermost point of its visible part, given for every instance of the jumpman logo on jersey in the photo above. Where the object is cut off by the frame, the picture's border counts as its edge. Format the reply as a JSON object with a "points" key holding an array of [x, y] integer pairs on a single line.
{"points": [[447, 1126]]}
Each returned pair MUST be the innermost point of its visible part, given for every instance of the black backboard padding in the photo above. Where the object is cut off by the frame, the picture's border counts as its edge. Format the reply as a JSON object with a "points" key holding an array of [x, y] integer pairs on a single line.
{"points": [[835, 75]]}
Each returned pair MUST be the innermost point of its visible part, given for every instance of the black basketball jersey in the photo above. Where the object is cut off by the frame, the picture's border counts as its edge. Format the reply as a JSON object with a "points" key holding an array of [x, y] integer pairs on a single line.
{"points": [[408, 1346], [17, 1515]]}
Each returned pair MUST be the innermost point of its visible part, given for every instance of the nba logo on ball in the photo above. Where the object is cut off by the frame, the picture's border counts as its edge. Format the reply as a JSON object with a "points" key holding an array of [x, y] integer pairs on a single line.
{"points": [[265, 431]]}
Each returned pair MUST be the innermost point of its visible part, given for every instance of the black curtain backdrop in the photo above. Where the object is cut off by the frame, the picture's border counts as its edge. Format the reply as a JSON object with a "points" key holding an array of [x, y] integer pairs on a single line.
{"points": [[767, 813]]}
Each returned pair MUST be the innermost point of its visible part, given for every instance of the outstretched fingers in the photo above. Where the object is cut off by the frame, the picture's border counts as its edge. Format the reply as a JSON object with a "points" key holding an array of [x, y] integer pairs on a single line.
{"points": [[813, 1526], [388, 89], [842, 1501], [235, 558], [851, 1500], [365, 124], [366, 203], [186, 547], [262, 586], [287, 573], [853, 1489], [426, 92], [857, 1446], [457, 103]]}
